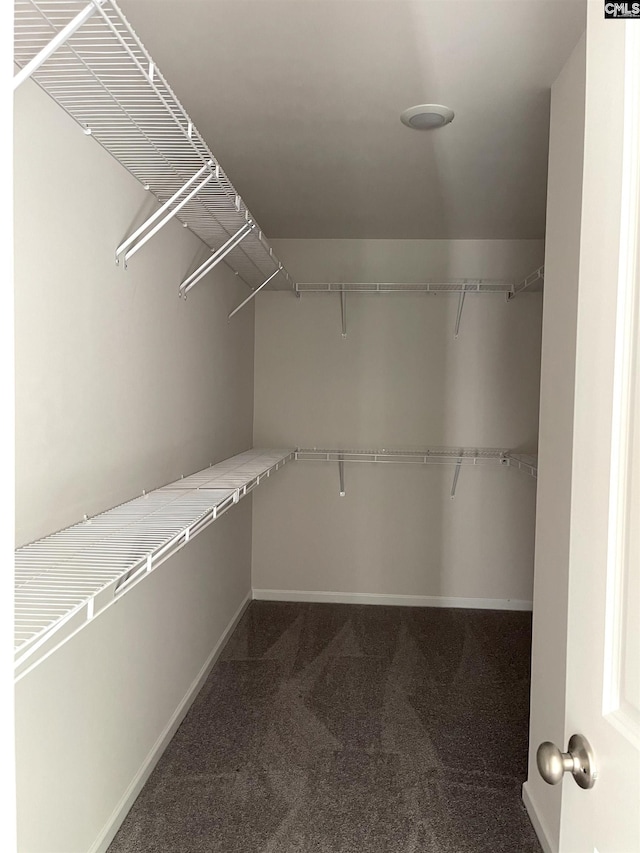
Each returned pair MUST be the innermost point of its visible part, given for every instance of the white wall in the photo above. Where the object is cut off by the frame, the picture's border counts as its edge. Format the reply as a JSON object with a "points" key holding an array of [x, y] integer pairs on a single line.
{"points": [[120, 387], [399, 380], [7, 446], [92, 715], [556, 433]]}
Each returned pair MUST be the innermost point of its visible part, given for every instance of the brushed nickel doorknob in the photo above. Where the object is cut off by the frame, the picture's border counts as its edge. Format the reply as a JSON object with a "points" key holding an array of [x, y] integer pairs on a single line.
{"points": [[579, 761]]}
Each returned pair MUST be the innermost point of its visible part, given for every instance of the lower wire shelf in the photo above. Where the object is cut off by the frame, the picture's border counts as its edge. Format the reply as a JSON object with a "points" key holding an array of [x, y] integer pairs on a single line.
{"points": [[65, 580]]}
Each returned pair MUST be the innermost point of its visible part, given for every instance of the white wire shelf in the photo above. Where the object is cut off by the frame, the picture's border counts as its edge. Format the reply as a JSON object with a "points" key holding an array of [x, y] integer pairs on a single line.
{"points": [[461, 286], [458, 285], [458, 456], [65, 580], [453, 286], [242, 472], [428, 456], [104, 78]]}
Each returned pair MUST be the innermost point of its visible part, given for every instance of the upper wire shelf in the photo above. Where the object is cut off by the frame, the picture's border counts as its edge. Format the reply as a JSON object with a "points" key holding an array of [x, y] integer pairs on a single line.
{"points": [[463, 285], [102, 75], [455, 285]]}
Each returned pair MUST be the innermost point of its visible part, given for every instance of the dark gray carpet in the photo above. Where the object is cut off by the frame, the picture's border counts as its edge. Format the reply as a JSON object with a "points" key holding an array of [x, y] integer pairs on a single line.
{"points": [[350, 729]]}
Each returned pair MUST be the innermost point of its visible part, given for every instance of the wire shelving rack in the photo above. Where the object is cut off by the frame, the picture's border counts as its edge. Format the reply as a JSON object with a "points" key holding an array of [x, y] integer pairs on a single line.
{"points": [[102, 75], [428, 456], [460, 286], [455, 285], [458, 456], [65, 580]]}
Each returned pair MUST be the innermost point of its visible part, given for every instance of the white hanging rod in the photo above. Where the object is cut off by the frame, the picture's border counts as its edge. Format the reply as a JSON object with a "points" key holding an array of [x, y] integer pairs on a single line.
{"points": [[59, 39], [106, 80]]}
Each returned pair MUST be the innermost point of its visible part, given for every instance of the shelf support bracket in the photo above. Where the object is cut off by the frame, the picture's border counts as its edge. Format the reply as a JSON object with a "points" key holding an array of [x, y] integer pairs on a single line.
{"points": [[131, 241], [526, 283], [459, 315], [456, 474], [58, 40], [255, 292], [341, 475], [343, 310], [218, 255]]}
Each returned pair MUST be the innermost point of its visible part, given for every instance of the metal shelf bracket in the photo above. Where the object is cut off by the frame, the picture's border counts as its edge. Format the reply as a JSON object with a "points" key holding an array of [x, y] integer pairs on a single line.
{"points": [[341, 474], [526, 283], [217, 256], [135, 243], [343, 311], [459, 314], [255, 292], [456, 474], [96, 68]]}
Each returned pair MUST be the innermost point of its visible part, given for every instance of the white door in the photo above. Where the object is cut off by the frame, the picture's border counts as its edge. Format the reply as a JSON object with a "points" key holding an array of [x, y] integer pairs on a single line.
{"points": [[603, 655]]}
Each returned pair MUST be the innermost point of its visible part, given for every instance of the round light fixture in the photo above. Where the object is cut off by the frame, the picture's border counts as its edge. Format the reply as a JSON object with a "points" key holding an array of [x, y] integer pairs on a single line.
{"points": [[427, 116]]}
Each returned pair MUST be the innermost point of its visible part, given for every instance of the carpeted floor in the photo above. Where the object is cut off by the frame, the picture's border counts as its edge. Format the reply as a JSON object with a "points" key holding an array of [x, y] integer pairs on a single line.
{"points": [[350, 729]]}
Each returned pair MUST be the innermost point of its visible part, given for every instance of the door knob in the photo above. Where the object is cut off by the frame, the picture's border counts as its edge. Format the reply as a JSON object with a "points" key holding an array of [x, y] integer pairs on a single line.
{"points": [[579, 761]]}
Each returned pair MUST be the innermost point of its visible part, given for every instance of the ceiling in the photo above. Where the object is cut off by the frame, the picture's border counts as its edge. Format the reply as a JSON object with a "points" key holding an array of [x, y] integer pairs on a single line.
{"points": [[300, 100]]}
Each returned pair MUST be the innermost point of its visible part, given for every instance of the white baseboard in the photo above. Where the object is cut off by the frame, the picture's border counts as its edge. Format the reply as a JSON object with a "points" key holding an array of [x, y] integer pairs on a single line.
{"points": [[398, 600], [113, 824], [537, 823]]}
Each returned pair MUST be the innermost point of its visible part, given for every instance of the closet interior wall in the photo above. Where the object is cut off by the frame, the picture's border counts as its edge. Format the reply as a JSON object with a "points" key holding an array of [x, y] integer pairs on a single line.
{"points": [[399, 380], [553, 525], [121, 387]]}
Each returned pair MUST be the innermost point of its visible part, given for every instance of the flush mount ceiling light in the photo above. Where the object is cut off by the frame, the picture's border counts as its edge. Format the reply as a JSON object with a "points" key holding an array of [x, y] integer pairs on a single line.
{"points": [[427, 116]]}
